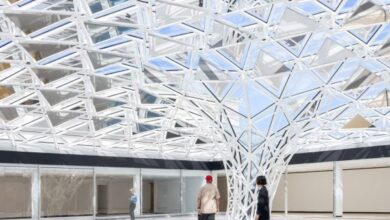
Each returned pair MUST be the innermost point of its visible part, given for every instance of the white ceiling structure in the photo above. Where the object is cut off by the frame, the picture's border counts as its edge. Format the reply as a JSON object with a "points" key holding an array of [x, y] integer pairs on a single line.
{"points": [[248, 81], [182, 79]]}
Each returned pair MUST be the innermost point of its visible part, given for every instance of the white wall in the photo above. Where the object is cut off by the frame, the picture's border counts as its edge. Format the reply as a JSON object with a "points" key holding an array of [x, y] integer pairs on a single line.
{"points": [[367, 190], [278, 203], [310, 192]]}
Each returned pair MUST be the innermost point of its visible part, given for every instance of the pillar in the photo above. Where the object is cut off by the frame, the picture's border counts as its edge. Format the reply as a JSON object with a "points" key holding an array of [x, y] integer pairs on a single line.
{"points": [[337, 190], [94, 197], [137, 185], [285, 193], [35, 194]]}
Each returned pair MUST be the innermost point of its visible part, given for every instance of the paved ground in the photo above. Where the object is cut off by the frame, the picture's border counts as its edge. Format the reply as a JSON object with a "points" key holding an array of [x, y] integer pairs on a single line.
{"points": [[274, 217], [281, 217]]}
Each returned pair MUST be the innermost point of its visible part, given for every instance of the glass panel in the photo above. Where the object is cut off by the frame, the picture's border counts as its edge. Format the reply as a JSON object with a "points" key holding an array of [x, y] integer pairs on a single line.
{"points": [[96, 7], [191, 187], [112, 194], [223, 190], [161, 195], [66, 192], [15, 196]]}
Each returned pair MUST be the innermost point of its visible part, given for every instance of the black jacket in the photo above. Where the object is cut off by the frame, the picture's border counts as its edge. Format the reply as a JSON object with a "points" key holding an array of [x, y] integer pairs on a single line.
{"points": [[263, 204]]}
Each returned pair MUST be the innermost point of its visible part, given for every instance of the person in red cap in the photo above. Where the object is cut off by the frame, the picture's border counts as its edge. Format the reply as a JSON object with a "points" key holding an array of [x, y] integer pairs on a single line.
{"points": [[208, 200]]}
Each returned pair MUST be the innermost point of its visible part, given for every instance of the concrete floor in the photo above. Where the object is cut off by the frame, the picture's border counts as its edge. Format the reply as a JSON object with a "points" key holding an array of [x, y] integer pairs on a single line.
{"points": [[279, 217], [274, 217]]}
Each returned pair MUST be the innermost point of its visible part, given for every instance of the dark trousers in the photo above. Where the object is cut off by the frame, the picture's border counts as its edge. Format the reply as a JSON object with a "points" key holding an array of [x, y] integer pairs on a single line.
{"points": [[200, 3], [207, 217], [132, 208]]}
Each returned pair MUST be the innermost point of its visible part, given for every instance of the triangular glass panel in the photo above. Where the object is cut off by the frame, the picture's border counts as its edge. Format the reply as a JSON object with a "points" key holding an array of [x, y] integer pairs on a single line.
{"points": [[368, 13], [4, 66], [356, 93], [331, 102], [381, 100], [101, 59], [199, 24], [261, 13], [358, 122], [297, 104], [50, 75], [244, 140], [103, 104], [366, 33], [147, 98], [295, 44], [293, 23], [262, 122], [279, 122], [55, 96], [235, 54], [384, 50], [269, 65], [46, 53], [219, 89], [31, 22], [172, 135], [200, 141], [252, 98], [362, 78], [274, 84], [8, 113], [141, 127], [101, 83], [301, 81], [6, 91], [57, 118], [332, 4], [101, 123], [24, 76], [330, 53]]}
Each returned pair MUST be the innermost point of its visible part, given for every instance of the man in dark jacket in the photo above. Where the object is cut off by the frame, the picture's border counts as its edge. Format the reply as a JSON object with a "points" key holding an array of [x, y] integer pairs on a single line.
{"points": [[262, 212]]}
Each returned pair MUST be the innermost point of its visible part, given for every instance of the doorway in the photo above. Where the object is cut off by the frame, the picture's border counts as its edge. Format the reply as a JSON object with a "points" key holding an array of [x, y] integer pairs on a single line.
{"points": [[148, 197], [102, 200], [161, 195]]}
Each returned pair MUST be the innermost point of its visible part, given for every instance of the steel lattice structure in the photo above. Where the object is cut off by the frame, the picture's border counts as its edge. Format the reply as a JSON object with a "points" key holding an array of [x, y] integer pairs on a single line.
{"points": [[247, 81]]}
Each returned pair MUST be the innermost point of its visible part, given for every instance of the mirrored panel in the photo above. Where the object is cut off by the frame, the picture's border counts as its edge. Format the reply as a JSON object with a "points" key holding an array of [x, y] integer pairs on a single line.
{"points": [[15, 195], [66, 192], [161, 195], [223, 190], [112, 194], [191, 187]]}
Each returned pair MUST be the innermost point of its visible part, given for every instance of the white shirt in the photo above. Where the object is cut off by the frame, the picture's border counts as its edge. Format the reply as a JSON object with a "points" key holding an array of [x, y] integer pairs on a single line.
{"points": [[207, 199]]}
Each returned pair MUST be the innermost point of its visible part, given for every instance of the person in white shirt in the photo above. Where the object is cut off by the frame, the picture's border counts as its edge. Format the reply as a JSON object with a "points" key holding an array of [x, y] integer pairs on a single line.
{"points": [[133, 203], [208, 200]]}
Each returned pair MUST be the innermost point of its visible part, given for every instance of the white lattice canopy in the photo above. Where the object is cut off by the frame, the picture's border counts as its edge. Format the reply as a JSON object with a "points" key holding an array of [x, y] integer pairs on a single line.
{"points": [[247, 81]]}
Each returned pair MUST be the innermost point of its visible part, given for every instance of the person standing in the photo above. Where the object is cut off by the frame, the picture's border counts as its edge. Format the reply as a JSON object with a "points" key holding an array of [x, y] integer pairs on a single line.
{"points": [[263, 212], [133, 203], [208, 200]]}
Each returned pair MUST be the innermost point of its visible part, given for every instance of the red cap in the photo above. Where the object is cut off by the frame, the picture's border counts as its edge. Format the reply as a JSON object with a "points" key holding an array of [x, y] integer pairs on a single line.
{"points": [[209, 178]]}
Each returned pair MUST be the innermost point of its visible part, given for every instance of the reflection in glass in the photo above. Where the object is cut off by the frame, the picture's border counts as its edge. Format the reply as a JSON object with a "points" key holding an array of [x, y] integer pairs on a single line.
{"points": [[15, 195], [112, 194], [66, 192], [161, 195], [191, 186]]}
